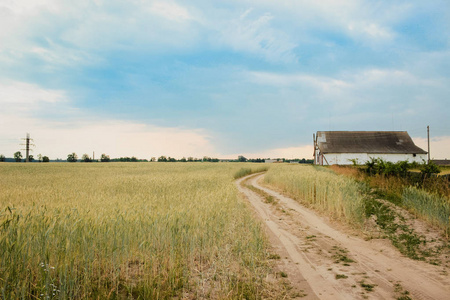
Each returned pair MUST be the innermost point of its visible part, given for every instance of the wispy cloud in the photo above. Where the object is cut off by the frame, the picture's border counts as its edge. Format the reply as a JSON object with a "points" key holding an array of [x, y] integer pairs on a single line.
{"points": [[255, 35], [171, 11]]}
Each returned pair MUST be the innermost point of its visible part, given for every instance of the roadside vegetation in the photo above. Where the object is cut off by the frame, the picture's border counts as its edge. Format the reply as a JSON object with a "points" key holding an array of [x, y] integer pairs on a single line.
{"points": [[382, 203], [148, 231], [337, 196], [396, 195], [249, 170], [415, 187]]}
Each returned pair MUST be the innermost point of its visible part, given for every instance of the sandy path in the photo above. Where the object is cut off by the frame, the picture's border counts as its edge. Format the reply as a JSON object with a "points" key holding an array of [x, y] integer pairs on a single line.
{"points": [[326, 263]]}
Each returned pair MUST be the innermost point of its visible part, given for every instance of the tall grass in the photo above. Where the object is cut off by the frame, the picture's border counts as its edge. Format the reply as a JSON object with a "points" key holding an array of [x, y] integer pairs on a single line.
{"points": [[249, 170], [336, 195], [428, 197], [434, 208], [119, 230]]}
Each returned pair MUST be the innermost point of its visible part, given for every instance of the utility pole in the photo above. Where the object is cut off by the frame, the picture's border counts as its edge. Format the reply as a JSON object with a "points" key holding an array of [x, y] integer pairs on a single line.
{"points": [[428, 136], [27, 147], [314, 144]]}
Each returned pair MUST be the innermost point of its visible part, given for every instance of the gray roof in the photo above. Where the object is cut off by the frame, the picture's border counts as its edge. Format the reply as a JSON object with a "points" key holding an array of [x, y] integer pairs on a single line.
{"points": [[380, 142]]}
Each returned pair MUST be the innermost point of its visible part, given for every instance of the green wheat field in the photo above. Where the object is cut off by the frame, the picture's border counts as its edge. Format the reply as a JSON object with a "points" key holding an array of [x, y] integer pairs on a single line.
{"points": [[127, 230], [158, 230]]}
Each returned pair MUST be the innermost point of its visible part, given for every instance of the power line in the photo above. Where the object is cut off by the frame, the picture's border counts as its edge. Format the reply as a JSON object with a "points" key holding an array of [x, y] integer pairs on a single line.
{"points": [[27, 147]]}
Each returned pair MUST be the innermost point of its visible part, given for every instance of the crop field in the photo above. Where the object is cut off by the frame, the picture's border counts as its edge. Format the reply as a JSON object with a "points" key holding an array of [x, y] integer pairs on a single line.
{"points": [[171, 230], [338, 196], [127, 230]]}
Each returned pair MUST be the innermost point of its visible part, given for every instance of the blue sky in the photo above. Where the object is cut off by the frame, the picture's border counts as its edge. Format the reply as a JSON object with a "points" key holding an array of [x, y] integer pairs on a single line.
{"points": [[223, 78]]}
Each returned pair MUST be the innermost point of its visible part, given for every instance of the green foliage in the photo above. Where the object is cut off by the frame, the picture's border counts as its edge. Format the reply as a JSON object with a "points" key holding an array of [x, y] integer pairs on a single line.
{"points": [[382, 167], [72, 157], [354, 161], [241, 158], [18, 156], [86, 158], [430, 168], [401, 168], [45, 159], [104, 158], [162, 158], [2, 157], [128, 159]]}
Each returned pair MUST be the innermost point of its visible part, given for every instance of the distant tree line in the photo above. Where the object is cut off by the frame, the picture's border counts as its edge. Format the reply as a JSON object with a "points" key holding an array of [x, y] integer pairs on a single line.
{"points": [[73, 157], [127, 159], [18, 157]]}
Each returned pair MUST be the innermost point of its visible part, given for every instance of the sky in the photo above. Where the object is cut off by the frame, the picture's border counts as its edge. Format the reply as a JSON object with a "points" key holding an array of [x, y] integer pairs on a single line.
{"points": [[219, 78]]}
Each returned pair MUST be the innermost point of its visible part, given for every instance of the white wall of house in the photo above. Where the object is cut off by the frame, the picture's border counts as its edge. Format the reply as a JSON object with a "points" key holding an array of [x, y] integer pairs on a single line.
{"points": [[362, 158]]}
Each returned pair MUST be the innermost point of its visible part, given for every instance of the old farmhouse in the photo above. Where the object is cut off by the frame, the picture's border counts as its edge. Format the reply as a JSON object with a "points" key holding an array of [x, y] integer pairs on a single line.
{"points": [[344, 147]]}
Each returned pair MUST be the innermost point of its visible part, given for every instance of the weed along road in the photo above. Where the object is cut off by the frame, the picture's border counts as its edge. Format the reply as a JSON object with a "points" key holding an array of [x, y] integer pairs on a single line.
{"points": [[323, 260]]}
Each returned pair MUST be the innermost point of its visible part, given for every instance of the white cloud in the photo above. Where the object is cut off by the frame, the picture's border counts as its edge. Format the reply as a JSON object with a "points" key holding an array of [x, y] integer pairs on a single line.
{"points": [[439, 146], [275, 79], [22, 99], [170, 11], [368, 23], [301, 151], [114, 137], [80, 132], [257, 36], [80, 33], [370, 31], [362, 85]]}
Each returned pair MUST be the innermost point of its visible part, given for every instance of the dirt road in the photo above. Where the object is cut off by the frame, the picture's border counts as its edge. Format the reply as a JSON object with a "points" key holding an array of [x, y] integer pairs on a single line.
{"points": [[323, 262]]}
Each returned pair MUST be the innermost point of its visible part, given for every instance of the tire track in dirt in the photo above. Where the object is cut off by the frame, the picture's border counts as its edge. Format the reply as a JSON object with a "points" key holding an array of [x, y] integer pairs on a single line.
{"points": [[329, 264]]}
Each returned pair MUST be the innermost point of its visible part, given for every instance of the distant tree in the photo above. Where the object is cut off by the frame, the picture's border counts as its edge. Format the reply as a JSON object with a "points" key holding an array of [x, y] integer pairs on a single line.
{"points": [[39, 157], [2, 157], [190, 158], [242, 158], [104, 158], [18, 156], [30, 158], [183, 159], [153, 159], [134, 159], [162, 158], [86, 158], [214, 159], [45, 159], [72, 157]]}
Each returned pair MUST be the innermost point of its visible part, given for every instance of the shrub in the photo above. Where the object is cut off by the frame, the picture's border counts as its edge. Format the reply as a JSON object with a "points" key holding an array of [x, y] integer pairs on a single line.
{"points": [[382, 167], [430, 168]]}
